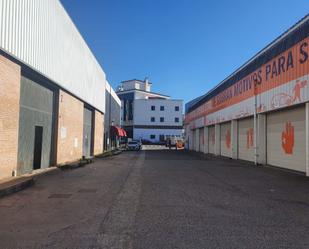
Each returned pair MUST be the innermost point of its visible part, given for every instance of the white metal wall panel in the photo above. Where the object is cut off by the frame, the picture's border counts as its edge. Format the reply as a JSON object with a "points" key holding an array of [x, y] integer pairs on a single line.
{"points": [[201, 134], [225, 139], [41, 34], [109, 89], [246, 139], [211, 139], [198, 123], [286, 139]]}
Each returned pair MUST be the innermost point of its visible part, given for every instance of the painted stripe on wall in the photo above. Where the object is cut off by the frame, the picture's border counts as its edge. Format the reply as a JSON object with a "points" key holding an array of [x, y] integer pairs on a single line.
{"points": [[293, 64]]}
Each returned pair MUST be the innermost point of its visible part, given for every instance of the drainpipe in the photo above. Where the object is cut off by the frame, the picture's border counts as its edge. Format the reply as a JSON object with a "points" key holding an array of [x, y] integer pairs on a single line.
{"points": [[255, 127]]}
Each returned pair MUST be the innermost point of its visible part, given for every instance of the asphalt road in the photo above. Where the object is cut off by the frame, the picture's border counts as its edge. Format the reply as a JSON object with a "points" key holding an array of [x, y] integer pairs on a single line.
{"points": [[157, 199]]}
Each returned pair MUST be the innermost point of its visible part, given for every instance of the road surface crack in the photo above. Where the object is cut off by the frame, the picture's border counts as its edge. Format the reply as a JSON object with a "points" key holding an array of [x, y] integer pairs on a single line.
{"points": [[117, 228]]}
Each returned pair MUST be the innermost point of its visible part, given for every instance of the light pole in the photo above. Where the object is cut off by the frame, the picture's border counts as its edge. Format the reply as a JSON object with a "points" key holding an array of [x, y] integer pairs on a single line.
{"points": [[109, 117]]}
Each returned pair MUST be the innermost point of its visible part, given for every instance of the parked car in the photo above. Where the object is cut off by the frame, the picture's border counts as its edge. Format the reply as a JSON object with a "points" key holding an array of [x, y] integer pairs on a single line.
{"points": [[134, 145]]}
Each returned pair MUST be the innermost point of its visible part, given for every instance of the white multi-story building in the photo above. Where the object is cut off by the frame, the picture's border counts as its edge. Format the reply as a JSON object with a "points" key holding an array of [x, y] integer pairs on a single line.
{"points": [[147, 115]]}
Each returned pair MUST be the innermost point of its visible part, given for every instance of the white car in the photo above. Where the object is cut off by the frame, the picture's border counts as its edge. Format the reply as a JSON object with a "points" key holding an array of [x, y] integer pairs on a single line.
{"points": [[133, 145]]}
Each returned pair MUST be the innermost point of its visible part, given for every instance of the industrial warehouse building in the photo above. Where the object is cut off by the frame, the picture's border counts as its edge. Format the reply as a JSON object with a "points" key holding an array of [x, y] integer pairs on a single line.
{"points": [[260, 113], [52, 89], [112, 122]]}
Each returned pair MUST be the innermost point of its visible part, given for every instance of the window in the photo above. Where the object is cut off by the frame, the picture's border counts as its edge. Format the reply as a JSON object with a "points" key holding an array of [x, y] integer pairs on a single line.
{"points": [[152, 136], [161, 138], [153, 108], [161, 119], [130, 111], [176, 108], [153, 119], [176, 120], [161, 108]]}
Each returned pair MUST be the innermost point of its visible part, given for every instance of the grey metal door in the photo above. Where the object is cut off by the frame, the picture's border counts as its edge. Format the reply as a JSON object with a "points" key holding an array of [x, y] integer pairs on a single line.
{"points": [[87, 137], [36, 110]]}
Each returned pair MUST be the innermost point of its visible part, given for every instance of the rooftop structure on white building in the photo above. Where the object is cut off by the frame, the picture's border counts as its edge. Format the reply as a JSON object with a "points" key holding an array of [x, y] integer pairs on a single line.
{"points": [[147, 115]]}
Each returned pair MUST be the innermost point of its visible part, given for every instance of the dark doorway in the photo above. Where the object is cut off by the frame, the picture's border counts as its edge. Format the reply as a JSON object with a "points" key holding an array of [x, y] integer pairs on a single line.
{"points": [[38, 141]]}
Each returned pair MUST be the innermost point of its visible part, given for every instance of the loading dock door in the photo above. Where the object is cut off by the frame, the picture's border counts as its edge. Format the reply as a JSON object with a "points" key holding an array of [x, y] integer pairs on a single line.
{"points": [[197, 140], [225, 139], [193, 140], [88, 138], [36, 119], [286, 139], [211, 139], [246, 139], [201, 138]]}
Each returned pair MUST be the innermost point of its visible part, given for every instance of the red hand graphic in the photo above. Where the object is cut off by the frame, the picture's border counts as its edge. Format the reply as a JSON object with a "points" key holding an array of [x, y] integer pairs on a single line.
{"points": [[228, 139], [249, 138], [288, 138]]}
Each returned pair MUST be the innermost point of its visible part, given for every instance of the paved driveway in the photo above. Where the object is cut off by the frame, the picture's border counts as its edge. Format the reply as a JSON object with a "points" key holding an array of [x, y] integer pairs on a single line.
{"points": [[160, 199]]}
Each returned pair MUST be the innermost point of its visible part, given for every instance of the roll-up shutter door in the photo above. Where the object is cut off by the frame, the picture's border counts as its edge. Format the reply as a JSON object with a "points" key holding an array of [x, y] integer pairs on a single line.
{"points": [[197, 140], [246, 139], [201, 139], [225, 139], [286, 139], [193, 140], [211, 139]]}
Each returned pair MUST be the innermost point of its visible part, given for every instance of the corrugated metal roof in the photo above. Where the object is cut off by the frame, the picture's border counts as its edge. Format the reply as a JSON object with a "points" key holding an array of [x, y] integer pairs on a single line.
{"points": [[41, 35]]}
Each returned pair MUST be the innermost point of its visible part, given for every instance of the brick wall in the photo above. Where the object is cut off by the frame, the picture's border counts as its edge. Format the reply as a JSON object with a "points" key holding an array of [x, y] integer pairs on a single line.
{"points": [[98, 133], [70, 128], [9, 116]]}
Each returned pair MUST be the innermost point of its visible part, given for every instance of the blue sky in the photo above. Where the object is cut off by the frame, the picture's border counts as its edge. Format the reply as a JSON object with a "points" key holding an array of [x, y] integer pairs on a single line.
{"points": [[185, 47]]}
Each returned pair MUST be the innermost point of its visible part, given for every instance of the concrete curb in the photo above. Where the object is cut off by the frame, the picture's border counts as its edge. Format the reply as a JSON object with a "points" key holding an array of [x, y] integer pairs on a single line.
{"points": [[15, 185], [109, 153], [86, 161], [76, 165], [117, 152]]}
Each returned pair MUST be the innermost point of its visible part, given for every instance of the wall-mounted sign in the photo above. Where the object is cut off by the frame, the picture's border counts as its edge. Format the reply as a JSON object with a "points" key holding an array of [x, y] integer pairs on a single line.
{"points": [[63, 132]]}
